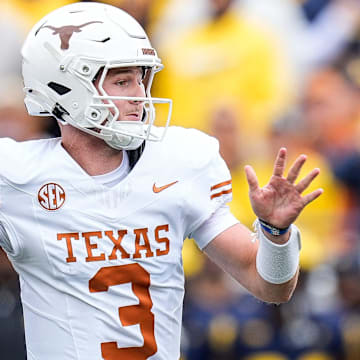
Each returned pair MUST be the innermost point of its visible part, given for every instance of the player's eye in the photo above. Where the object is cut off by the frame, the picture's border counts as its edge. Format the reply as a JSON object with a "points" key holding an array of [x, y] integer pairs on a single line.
{"points": [[122, 82]]}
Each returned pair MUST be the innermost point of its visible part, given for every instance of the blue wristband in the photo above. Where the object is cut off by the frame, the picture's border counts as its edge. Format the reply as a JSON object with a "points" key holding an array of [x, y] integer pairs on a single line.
{"points": [[271, 229]]}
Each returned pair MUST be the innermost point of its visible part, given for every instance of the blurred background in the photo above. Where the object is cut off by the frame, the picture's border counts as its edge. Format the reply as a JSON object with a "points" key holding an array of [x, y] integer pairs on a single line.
{"points": [[256, 74]]}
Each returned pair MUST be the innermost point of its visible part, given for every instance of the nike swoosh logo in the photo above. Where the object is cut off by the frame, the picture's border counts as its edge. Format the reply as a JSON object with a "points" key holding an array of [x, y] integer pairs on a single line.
{"points": [[161, 188]]}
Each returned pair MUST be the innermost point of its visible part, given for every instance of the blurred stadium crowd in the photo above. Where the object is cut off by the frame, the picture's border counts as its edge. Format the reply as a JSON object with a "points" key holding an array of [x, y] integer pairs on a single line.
{"points": [[256, 74]]}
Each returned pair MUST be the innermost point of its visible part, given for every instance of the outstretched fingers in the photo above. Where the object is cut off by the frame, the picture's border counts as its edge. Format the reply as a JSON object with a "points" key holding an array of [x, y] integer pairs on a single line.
{"points": [[251, 178], [295, 169], [307, 180], [279, 165]]}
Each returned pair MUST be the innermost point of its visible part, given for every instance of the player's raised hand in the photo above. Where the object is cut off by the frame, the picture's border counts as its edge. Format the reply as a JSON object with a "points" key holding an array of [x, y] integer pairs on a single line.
{"points": [[280, 201]]}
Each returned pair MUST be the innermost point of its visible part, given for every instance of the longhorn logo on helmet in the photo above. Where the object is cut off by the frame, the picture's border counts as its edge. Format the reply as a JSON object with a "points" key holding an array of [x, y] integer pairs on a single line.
{"points": [[66, 32]]}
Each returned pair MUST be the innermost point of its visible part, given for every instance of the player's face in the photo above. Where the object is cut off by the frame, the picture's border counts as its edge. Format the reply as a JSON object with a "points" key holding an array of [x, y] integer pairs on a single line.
{"points": [[125, 82]]}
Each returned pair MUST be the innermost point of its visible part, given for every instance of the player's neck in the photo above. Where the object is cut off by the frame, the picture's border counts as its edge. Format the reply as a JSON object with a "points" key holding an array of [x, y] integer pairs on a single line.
{"points": [[92, 154]]}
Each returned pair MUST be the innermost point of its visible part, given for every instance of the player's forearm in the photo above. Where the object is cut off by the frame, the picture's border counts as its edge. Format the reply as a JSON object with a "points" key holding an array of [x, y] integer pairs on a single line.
{"points": [[255, 266], [276, 293]]}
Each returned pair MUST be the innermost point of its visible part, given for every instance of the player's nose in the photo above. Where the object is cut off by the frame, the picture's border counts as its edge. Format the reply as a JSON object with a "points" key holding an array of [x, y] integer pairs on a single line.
{"points": [[138, 91]]}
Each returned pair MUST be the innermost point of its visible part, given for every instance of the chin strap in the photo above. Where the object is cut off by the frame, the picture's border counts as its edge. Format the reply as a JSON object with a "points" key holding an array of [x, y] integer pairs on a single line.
{"points": [[134, 155]]}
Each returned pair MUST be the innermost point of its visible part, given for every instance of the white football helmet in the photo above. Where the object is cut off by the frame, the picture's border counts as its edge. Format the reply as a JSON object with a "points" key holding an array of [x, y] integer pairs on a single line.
{"points": [[66, 50]]}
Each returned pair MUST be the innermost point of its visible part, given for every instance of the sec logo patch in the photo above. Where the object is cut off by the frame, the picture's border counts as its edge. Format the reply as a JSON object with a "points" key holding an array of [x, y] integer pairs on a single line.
{"points": [[51, 196]]}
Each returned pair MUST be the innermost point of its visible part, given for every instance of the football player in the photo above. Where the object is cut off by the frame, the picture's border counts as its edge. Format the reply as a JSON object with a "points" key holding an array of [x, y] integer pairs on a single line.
{"points": [[94, 221]]}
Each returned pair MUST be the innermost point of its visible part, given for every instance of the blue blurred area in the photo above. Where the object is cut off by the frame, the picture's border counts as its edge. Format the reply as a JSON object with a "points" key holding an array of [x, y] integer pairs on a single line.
{"points": [[312, 8]]}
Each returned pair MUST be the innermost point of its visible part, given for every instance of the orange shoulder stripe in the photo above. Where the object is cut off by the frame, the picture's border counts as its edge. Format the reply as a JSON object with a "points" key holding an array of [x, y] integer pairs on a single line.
{"points": [[220, 193], [221, 184]]}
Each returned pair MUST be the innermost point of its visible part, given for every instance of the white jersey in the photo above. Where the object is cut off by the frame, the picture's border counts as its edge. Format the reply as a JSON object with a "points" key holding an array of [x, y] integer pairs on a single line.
{"points": [[100, 268]]}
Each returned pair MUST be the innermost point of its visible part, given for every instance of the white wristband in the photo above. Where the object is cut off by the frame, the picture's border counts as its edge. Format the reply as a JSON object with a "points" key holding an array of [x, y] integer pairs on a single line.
{"points": [[278, 263]]}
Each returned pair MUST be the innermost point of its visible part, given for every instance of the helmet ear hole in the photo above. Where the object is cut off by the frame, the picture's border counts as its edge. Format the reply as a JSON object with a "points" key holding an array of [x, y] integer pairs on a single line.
{"points": [[146, 76], [97, 75]]}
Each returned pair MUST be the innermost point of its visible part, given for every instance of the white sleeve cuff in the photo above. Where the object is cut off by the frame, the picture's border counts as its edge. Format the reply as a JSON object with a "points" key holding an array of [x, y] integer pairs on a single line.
{"points": [[218, 222]]}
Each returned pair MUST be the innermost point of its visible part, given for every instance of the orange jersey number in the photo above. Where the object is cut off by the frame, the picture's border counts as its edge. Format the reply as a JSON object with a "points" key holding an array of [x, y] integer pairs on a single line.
{"points": [[129, 315]]}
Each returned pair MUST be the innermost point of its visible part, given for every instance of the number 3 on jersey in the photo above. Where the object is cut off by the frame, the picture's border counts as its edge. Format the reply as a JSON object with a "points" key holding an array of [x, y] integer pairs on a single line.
{"points": [[129, 315]]}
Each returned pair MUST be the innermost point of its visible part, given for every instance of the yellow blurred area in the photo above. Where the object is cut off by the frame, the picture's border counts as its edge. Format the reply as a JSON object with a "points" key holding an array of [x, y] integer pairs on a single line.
{"points": [[33, 10], [193, 258], [278, 356], [267, 356], [154, 8], [206, 63], [315, 356]]}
